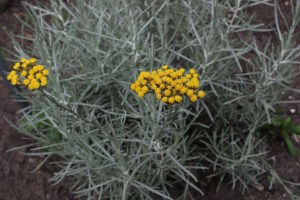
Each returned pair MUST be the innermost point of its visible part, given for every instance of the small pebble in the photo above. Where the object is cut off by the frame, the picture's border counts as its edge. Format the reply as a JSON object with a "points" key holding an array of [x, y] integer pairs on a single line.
{"points": [[283, 195], [286, 3], [292, 110]]}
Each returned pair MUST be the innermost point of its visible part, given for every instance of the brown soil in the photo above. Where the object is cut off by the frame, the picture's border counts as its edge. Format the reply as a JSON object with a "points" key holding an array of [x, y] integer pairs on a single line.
{"points": [[17, 181]]}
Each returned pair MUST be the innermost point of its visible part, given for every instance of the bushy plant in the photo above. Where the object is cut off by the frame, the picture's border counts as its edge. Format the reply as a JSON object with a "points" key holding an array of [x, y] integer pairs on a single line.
{"points": [[118, 146]]}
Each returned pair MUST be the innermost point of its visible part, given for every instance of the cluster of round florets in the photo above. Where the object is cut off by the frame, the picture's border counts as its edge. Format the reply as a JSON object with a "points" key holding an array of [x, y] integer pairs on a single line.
{"points": [[169, 86], [29, 74]]}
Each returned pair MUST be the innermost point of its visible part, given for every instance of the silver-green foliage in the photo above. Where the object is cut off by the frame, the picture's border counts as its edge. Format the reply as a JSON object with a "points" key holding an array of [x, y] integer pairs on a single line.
{"points": [[140, 148]]}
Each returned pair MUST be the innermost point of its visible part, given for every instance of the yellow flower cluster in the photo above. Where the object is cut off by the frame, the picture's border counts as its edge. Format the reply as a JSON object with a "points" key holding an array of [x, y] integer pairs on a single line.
{"points": [[28, 73], [169, 86]]}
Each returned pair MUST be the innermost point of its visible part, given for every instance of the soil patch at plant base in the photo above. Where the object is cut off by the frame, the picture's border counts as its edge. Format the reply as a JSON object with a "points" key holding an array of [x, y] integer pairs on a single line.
{"points": [[16, 178]]}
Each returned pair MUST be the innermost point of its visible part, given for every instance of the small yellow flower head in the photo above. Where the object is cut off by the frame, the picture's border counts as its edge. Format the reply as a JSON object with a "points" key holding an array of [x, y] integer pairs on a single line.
{"points": [[164, 99], [40, 67], [201, 94], [157, 91], [24, 65], [168, 85], [30, 76], [24, 73], [190, 93], [31, 86], [8, 77], [32, 60], [137, 89], [132, 86], [141, 94], [39, 75], [158, 96], [193, 98], [192, 71], [43, 78], [145, 89], [178, 98], [36, 85], [27, 73], [44, 83], [26, 82], [167, 93], [14, 81], [16, 66], [171, 100]]}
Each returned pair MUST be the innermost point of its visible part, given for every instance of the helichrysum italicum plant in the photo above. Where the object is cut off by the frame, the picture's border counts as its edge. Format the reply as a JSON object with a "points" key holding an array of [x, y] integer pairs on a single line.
{"points": [[117, 146]]}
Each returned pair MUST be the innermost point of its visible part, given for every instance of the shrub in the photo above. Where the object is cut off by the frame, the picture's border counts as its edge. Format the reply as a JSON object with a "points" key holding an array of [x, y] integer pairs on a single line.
{"points": [[115, 145]]}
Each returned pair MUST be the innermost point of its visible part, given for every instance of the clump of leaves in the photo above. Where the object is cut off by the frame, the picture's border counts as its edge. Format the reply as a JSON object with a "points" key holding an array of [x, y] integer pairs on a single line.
{"points": [[287, 128], [281, 128]]}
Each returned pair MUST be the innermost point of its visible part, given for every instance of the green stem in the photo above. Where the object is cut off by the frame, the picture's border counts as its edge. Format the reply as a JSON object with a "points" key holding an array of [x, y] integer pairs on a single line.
{"points": [[290, 145]]}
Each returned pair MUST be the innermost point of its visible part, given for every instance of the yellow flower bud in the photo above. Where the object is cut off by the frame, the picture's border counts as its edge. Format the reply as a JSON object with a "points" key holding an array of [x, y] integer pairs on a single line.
{"points": [[201, 94], [183, 90], [141, 94], [193, 98], [158, 96], [8, 77], [24, 65], [43, 83], [33, 80], [43, 78], [178, 98], [36, 85], [15, 67], [190, 93], [192, 71], [137, 89], [32, 60], [132, 86], [26, 82], [31, 86], [14, 81], [184, 79], [165, 67], [171, 100], [39, 75], [145, 89], [164, 99], [167, 93], [157, 91], [24, 73], [162, 86]]}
